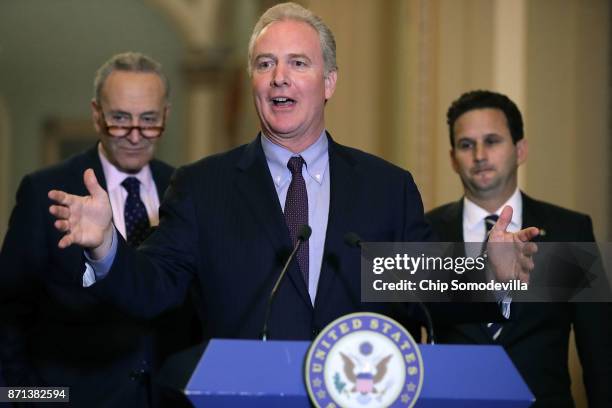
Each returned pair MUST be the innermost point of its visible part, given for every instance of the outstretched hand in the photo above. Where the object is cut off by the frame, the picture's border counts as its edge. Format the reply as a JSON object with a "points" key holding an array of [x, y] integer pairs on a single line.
{"points": [[513, 259], [86, 221]]}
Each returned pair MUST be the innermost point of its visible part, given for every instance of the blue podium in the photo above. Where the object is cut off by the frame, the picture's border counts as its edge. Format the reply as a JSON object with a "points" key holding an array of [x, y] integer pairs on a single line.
{"points": [[249, 373]]}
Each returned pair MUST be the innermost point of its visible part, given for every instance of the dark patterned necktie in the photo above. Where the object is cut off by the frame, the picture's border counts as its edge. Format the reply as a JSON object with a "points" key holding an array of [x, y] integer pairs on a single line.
{"points": [[490, 221], [493, 329], [137, 224], [296, 211]]}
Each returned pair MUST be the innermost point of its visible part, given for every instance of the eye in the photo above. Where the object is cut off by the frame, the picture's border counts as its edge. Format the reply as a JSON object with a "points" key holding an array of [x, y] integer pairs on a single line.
{"points": [[120, 117], [492, 140], [149, 120], [264, 65], [465, 144], [298, 63]]}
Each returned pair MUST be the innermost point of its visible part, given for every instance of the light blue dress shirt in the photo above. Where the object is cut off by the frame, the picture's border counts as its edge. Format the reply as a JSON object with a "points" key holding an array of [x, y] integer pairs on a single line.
{"points": [[316, 176]]}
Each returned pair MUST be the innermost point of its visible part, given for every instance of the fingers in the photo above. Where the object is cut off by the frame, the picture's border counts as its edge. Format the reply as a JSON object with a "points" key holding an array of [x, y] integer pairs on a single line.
{"points": [[62, 225], [504, 220], [530, 248], [526, 263], [60, 212], [528, 234], [68, 238], [60, 197], [523, 276], [93, 187], [65, 242]]}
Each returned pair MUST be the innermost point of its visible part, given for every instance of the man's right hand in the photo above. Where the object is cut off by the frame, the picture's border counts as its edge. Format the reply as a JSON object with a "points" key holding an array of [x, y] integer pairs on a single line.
{"points": [[86, 221]]}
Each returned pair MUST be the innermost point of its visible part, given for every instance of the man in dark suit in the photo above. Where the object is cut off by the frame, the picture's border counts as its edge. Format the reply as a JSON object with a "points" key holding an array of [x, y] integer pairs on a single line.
{"points": [[487, 146], [229, 221], [56, 333]]}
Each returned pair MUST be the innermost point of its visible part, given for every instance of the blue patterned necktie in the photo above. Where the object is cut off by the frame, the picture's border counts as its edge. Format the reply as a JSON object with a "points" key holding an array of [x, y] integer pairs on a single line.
{"points": [[137, 224], [493, 329], [296, 211]]}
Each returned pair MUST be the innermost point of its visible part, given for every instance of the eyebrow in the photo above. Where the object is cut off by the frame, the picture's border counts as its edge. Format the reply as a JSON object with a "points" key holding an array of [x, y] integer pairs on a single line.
{"points": [[121, 112], [268, 55], [460, 138], [299, 56], [148, 113], [290, 56]]}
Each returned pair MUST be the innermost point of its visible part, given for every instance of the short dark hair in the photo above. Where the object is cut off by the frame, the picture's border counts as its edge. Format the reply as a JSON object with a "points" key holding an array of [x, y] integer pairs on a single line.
{"points": [[482, 99]]}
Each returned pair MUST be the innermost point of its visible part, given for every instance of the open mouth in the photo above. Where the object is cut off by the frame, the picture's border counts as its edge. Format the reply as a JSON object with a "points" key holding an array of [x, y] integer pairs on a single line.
{"points": [[282, 101]]}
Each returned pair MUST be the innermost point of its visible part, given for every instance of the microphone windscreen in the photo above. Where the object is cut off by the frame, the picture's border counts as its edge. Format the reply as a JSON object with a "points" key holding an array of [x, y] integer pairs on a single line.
{"points": [[353, 240], [304, 233]]}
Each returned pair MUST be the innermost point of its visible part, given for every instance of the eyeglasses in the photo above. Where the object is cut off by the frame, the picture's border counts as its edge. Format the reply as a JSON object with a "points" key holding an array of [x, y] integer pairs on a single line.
{"points": [[148, 132]]}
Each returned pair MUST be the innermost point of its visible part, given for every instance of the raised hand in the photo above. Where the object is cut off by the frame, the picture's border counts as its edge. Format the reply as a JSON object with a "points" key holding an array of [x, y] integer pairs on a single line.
{"points": [[86, 221], [510, 254]]}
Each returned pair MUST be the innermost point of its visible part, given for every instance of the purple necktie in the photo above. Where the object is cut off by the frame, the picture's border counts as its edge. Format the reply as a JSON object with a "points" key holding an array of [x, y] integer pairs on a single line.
{"points": [[296, 210], [137, 224]]}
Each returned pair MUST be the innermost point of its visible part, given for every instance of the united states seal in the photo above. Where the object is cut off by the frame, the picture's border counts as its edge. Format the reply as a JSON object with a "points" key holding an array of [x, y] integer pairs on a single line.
{"points": [[364, 360]]}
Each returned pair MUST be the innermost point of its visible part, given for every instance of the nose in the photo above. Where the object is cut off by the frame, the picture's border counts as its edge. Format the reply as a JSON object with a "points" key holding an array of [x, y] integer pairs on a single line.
{"points": [[280, 76], [479, 152], [134, 136]]}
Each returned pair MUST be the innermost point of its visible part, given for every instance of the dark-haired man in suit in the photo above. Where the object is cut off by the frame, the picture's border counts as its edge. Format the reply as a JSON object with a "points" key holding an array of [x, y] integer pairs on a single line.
{"points": [[487, 146], [53, 332]]}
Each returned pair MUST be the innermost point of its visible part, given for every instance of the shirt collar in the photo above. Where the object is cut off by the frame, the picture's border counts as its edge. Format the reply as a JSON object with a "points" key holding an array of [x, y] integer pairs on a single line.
{"points": [[114, 177], [474, 214], [315, 156]]}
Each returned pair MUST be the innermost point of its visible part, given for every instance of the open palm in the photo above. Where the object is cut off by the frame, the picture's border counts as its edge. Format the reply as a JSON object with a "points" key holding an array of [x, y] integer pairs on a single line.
{"points": [[86, 221]]}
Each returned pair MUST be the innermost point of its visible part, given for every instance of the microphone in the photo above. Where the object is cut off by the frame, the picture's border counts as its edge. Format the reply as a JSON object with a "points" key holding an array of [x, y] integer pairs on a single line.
{"points": [[303, 235], [354, 241]]}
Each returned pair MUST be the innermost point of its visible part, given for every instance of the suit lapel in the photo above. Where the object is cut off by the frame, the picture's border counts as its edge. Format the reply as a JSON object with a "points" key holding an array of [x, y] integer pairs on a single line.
{"points": [[344, 188], [454, 219], [92, 160], [451, 229], [530, 214], [255, 185], [160, 177]]}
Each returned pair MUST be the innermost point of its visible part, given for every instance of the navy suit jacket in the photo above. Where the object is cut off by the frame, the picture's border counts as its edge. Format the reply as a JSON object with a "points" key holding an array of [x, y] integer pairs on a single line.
{"points": [[52, 330], [537, 336], [222, 226]]}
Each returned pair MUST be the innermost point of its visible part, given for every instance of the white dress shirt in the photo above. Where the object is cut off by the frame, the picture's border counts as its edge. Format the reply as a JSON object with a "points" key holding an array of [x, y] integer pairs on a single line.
{"points": [[117, 194], [474, 228]]}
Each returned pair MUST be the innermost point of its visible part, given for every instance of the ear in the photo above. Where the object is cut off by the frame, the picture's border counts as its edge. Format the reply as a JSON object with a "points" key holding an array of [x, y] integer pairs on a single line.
{"points": [[330, 84], [521, 151], [453, 160], [167, 111], [95, 115]]}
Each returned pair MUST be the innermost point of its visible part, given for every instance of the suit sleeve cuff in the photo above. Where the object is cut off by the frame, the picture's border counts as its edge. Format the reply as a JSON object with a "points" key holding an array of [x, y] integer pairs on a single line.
{"points": [[505, 301], [98, 269]]}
